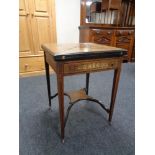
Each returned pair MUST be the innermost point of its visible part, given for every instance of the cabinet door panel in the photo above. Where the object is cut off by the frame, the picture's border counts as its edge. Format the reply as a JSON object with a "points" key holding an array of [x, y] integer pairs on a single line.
{"points": [[42, 23], [24, 41], [22, 7], [25, 35], [42, 32], [41, 5]]}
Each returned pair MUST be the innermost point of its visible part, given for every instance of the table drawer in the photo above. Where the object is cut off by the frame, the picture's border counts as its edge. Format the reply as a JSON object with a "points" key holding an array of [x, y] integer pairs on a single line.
{"points": [[90, 66], [30, 64]]}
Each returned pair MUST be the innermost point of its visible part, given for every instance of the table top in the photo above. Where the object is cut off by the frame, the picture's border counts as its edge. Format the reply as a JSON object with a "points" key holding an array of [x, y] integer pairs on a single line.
{"points": [[76, 51]]}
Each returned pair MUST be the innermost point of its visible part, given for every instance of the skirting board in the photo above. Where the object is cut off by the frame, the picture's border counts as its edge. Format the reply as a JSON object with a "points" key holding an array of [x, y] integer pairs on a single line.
{"points": [[36, 73]]}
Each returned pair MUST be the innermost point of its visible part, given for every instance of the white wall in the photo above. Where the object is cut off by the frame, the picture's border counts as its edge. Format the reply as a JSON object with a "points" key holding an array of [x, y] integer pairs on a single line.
{"points": [[67, 20]]}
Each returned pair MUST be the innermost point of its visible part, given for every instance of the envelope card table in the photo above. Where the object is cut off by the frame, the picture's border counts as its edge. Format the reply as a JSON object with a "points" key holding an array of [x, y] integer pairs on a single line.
{"points": [[81, 58]]}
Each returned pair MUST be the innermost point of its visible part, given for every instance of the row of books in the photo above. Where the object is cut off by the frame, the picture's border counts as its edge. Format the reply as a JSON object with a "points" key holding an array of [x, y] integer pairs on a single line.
{"points": [[111, 17]]}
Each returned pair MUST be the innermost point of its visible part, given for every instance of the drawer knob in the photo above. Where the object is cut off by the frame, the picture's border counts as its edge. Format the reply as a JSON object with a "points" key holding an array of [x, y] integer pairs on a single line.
{"points": [[109, 32], [26, 66]]}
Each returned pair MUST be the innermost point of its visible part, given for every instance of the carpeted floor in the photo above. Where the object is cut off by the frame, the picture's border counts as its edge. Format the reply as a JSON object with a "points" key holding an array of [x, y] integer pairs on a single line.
{"points": [[87, 131]]}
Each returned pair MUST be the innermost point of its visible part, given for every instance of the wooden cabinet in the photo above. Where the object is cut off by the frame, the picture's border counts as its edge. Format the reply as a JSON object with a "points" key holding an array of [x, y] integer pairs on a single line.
{"points": [[109, 22], [27, 64], [36, 26], [120, 37]]}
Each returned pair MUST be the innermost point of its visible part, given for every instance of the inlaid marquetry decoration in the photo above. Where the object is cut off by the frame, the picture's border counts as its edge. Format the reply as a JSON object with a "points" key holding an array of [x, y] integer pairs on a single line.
{"points": [[90, 66]]}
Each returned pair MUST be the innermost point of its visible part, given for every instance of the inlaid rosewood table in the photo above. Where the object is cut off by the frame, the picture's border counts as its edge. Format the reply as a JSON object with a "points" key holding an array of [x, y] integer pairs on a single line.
{"points": [[82, 58]]}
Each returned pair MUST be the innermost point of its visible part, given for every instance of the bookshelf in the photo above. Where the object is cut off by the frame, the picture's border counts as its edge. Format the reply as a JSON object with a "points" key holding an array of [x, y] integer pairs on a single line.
{"points": [[110, 22]]}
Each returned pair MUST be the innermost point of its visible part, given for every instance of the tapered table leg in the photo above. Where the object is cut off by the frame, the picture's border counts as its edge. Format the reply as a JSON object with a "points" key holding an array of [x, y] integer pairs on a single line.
{"points": [[48, 80], [87, 83], [114, 91], [60, 85]]}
